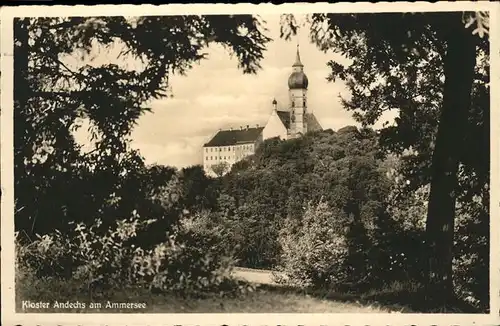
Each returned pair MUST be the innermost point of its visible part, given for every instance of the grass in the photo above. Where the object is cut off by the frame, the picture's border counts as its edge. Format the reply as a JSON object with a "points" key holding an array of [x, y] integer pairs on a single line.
{"points": [[260, 301], [265, 299], [397, 296]]}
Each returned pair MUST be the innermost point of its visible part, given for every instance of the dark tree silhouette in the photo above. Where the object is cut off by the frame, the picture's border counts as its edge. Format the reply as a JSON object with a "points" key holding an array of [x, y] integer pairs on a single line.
{"points": [[432, 68], [54, 180], [220, 168]]}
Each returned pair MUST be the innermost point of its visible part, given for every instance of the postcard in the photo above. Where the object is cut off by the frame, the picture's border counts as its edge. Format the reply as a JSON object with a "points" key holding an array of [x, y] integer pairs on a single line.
{"points": [[295, 164]]}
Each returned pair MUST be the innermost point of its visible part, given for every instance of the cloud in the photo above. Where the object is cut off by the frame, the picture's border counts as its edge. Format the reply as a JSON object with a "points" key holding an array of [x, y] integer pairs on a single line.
{"points": [[178, 152], [216, 94]]}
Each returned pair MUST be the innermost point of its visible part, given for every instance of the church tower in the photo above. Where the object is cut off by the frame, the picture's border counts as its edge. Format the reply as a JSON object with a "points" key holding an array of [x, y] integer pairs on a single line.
{"points": [[297, 90]]}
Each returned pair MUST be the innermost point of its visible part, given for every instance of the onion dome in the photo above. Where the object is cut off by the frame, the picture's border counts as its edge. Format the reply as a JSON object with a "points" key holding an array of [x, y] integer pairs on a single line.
{"points": [[298, 79]]}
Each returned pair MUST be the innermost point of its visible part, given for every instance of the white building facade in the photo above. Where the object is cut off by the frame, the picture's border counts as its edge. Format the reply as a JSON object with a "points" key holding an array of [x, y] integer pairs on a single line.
{"points": [[230, 146]]}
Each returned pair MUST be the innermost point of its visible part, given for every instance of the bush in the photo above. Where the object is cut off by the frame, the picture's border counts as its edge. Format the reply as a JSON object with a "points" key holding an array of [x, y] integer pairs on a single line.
{"points": [[255, 235], [88, 254], [471, 255], [315, 249], [250, 231], [48, 255], [191, 262]]}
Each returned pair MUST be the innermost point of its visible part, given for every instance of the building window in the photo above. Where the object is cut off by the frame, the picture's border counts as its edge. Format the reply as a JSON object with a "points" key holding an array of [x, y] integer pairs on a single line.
{"points": [[220, 149]]}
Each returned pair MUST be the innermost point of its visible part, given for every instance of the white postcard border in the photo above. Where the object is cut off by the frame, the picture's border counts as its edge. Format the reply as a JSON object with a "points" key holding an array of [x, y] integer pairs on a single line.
{"points": [[10, 317]]}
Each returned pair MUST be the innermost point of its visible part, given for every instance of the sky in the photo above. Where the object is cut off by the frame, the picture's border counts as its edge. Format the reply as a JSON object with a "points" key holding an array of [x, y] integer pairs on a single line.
{"points": [[217, 95]]}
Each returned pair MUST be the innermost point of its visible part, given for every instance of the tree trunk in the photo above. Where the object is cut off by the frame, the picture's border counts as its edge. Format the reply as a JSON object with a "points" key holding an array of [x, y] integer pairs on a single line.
{"points": [[459, 65]]}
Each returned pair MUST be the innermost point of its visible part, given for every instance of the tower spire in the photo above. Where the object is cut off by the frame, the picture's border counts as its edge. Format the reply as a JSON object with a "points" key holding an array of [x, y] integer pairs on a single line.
{"points": [[298, 63]]}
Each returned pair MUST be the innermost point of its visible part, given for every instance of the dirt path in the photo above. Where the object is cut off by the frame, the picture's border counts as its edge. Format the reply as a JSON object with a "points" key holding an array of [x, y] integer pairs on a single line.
{"points": [[258, 276]]}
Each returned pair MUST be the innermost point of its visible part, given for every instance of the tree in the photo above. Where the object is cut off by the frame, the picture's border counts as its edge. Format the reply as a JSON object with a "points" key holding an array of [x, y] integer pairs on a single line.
{"points": [[341, 169], [199, 190], [220, 168], [314, 252], [54, 180], [430, 67]]}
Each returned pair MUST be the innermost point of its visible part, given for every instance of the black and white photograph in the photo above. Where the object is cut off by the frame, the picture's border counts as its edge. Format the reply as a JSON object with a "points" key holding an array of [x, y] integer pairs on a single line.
{"points": [[250, 159]]}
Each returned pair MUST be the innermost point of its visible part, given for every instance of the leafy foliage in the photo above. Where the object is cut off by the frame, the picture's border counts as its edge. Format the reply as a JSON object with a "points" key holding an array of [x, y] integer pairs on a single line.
{"points": [[58, 183], [314, 252], [52, 97], [283, 177], [190, 262], [344, 209], [95, 257], [220, 168], [433, 71], [337, 187]]}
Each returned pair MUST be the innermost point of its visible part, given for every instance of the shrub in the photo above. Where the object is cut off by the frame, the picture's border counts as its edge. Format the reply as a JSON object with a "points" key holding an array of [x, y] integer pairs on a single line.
{"points": [[88, 254], [192, 261], [250, 231], [255, 234], [315, 249], [47, 255], [471, 255]]}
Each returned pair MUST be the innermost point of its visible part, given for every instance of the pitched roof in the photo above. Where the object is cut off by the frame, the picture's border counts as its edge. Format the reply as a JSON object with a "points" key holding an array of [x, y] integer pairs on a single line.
{"points": [[312, 122], [234, 137], [285, 118], [310, 119]]}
